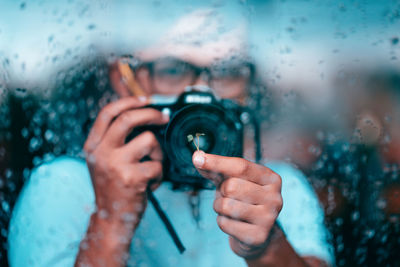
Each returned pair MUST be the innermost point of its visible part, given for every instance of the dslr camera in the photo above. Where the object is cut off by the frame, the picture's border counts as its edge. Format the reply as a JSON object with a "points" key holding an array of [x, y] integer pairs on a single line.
{"points": [[198, 120]]}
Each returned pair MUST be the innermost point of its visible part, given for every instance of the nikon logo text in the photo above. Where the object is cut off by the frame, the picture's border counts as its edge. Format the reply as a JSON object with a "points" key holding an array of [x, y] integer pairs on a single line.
{"points": [[198, 99]]}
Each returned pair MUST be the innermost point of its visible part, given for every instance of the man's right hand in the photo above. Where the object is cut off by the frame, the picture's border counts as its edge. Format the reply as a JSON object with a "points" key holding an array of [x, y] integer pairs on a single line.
{"points": [[119, 177]]}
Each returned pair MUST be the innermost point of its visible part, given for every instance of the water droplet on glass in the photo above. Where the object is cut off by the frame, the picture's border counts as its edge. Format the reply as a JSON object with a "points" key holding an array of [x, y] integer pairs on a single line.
{"points": [[34, 144], [5, 206], [91, 27], [49, 135]]}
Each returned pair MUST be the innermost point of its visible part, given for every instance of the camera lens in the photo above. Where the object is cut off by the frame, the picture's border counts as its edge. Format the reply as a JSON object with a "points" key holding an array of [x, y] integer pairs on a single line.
{"points": [[207, 126]]}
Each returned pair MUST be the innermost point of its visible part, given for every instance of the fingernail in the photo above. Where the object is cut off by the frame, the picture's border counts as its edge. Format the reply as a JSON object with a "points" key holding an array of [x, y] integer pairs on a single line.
{"points": [[198, 158], [165, 114], [142, 98]]}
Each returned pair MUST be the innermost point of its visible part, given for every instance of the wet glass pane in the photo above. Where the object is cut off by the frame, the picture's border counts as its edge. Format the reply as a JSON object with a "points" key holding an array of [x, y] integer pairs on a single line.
{"points": [[309, 89]]}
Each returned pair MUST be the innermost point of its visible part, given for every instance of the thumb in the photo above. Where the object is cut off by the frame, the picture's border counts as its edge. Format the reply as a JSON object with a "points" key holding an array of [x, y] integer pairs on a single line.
{"points": [[199, 159]]}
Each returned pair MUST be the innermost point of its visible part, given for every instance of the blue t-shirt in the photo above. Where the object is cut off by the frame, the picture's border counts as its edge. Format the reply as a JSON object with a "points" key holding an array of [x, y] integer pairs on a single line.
{"points": [[53, 211]]}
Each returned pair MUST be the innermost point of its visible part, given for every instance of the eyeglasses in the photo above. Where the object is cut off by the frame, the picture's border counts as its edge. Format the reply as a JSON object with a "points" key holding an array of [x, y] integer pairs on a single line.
{"points": [[228, 78]]}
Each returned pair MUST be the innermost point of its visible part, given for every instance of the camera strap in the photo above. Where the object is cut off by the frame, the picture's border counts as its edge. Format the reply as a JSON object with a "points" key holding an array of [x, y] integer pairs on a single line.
{"points": [[257, 139], [194, 202], [165, 220], [254, 122]]}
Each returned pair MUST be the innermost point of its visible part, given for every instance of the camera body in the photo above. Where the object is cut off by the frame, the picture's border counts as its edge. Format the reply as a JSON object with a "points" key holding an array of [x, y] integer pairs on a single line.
{"points": [[197, 120]]}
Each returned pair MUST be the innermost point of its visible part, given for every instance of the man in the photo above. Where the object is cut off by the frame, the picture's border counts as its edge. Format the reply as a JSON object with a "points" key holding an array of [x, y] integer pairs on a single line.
{"points": [[96, 213]]}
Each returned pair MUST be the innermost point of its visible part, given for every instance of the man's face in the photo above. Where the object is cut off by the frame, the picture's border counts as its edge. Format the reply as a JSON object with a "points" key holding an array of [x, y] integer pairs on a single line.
{"points": [[195, 51]]}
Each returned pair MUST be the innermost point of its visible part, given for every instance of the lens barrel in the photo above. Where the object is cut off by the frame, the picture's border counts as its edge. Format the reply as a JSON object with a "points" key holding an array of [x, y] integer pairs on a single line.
{"points": [[217, 132]]}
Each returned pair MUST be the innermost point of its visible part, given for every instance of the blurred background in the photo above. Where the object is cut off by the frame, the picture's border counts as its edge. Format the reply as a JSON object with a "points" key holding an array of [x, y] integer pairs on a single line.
{"points": [[330, 70]]}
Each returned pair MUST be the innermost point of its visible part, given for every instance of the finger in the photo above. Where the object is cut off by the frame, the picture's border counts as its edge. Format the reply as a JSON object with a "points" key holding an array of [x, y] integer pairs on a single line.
{"points": [[249, 192], [145, 144], [148, 171], [234, 167], [123, 125], [249, 234], [215, 177], [107, 115], [237, 210]]}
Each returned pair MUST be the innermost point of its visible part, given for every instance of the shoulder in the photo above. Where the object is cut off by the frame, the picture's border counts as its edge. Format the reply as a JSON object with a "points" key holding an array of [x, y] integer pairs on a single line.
{"points": [[302, 217], [61, 167], [63, 179], [57, 177], [293, 181], [299, 198], [52, 211], [63, 182]]}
